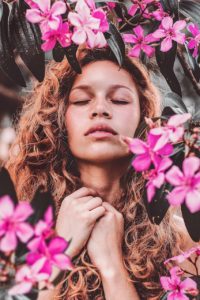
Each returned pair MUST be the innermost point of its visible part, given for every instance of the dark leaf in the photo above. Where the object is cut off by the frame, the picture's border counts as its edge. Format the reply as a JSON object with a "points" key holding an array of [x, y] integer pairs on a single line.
{"points": [[170, 6], [193, 64], [8, 67], [190, 9], [27, 40], [164, 297], [159, 205], [1, 9], [58, 53], [165, 61], [40, 202], [7, 186], [70, 53], [192, 222], [173, 104], [116, 43]]}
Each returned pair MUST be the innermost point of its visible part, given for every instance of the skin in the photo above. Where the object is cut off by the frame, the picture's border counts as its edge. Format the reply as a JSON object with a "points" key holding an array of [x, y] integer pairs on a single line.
{"points": [[101, 162]]}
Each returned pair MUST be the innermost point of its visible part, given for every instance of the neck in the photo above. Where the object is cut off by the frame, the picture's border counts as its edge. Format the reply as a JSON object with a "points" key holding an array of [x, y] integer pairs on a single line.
{"points": [[103, 178]]}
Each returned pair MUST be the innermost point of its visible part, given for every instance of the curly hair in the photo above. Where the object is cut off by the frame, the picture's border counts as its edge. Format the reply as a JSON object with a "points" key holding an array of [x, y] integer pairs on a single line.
{"points": [[41, 156]]}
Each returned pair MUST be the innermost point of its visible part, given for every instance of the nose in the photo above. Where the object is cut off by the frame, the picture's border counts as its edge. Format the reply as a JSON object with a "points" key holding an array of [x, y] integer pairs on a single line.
{"points": [[101, 108]]}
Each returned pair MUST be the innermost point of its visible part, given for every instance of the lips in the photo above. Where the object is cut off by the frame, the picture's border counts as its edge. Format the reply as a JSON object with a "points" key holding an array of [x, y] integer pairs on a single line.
{"points": [[101, 127]]}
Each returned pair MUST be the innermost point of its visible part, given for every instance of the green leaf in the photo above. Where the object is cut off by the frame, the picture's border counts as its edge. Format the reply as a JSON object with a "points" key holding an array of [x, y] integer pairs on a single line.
{"points": [[164, 297], [190, 9], [70, 53], [27, 40], [116, 43], [8, 67], [173, 104], [165, 61], [1, 9], [193, 64]]}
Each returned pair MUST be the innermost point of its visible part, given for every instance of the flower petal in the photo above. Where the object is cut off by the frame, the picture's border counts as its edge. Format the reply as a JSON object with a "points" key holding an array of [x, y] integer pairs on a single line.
{"points": [[142, 162], [79, 37], [22, 211], [177, 196], [193, 201], [137, 146], [24, 231], [57, 245], [190, 166], [21, 288], [167, 23], [166, 44], [34, 15], [8, 242], [175, 176], [58, 8], [63, 262], [6, 207]]}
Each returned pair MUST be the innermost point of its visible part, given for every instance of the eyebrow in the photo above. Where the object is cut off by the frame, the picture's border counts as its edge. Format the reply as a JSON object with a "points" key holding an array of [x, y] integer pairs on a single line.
{"points": [[113, 87]]}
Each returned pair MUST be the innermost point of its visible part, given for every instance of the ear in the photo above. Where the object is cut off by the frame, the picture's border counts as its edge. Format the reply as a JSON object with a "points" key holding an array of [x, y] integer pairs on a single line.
{"points": [[7, 186]]}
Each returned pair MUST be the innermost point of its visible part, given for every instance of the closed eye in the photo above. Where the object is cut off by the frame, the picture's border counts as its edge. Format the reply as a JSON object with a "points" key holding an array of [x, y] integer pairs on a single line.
{"points": [[82, 102], [122, 102]]}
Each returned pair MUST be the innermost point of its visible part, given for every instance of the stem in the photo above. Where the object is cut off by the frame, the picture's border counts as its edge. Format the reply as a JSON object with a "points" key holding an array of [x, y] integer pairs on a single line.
{"points": [[194, 263], [188, 70]]}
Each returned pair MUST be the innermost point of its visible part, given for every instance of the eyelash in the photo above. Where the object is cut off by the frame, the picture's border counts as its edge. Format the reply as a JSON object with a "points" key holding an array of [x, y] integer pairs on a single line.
{"points": [[122, 102]]}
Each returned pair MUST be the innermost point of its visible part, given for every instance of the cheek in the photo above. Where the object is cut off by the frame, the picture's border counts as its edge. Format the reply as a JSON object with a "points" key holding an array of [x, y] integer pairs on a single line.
{"points": [[129, 120]]}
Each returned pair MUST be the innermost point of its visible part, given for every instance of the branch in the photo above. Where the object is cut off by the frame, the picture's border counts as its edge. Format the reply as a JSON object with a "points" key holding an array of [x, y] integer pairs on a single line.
{"points": [[188, 71]]}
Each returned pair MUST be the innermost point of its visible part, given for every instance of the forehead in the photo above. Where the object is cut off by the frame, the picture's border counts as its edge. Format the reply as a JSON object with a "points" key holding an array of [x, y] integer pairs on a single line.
{"points": [[103, 74]]}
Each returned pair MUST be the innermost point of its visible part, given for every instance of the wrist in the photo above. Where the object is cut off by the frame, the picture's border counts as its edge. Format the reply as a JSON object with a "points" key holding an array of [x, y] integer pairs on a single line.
{"points": [[111, 270]]}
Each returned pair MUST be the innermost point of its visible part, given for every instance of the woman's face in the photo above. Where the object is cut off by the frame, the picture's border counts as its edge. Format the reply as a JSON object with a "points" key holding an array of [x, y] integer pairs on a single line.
{"points": [[103, 104]]}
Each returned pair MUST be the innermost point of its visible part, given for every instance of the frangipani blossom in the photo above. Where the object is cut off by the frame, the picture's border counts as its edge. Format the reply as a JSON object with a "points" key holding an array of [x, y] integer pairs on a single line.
{"points": [[62, 35], [27, 276], [187, 184], [172, 132], [141, 42], [156, 177], [170, 32], [86, 26], [195, 41], [12, 223], [177, 288], [52, 253], [146, 154], [47, 16]]}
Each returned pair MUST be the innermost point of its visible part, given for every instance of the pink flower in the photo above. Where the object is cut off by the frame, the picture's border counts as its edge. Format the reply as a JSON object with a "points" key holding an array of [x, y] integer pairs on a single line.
{"points": [[44, 228], [169, 32], [172, 132], [187, 184], [51, 252], [86, 26], [111, 4], [194, 42], [156, 177], [159, 14], [27, 276], [31, 3], [146, 155], [47, 16], [12, 225], [141, 42], [138, 4], [62, 35], [183, 256], [177, 288]]}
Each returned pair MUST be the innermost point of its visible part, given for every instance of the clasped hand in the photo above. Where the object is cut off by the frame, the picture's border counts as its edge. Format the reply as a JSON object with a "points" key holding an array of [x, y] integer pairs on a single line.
{"points": [[88, 221]]}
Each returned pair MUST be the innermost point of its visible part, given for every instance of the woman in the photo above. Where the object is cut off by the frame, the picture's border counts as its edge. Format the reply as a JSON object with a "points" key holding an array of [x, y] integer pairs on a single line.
{"points": [[71, 140]]}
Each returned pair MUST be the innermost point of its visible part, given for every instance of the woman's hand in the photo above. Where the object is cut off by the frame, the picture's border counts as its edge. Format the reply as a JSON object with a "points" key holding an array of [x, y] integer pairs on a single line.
{"points": [[77, 217], [105, 243]]}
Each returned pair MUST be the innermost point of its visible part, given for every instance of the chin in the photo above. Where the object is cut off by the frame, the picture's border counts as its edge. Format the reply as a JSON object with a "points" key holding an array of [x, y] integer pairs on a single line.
{"points": [[103, 157]]}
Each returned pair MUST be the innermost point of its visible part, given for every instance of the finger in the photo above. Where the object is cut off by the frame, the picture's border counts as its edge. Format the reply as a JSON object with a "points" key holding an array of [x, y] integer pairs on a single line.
{"points": [[82, 192], [96, 213], [93, 203], [109, 207]]}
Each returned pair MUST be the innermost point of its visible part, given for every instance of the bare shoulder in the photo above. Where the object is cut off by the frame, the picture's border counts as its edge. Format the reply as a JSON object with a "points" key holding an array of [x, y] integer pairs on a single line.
{"points": [[187, 244]]}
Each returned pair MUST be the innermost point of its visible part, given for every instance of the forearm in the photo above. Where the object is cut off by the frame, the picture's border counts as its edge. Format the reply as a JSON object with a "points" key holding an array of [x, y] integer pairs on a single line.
{"points": [[117, 284]]}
